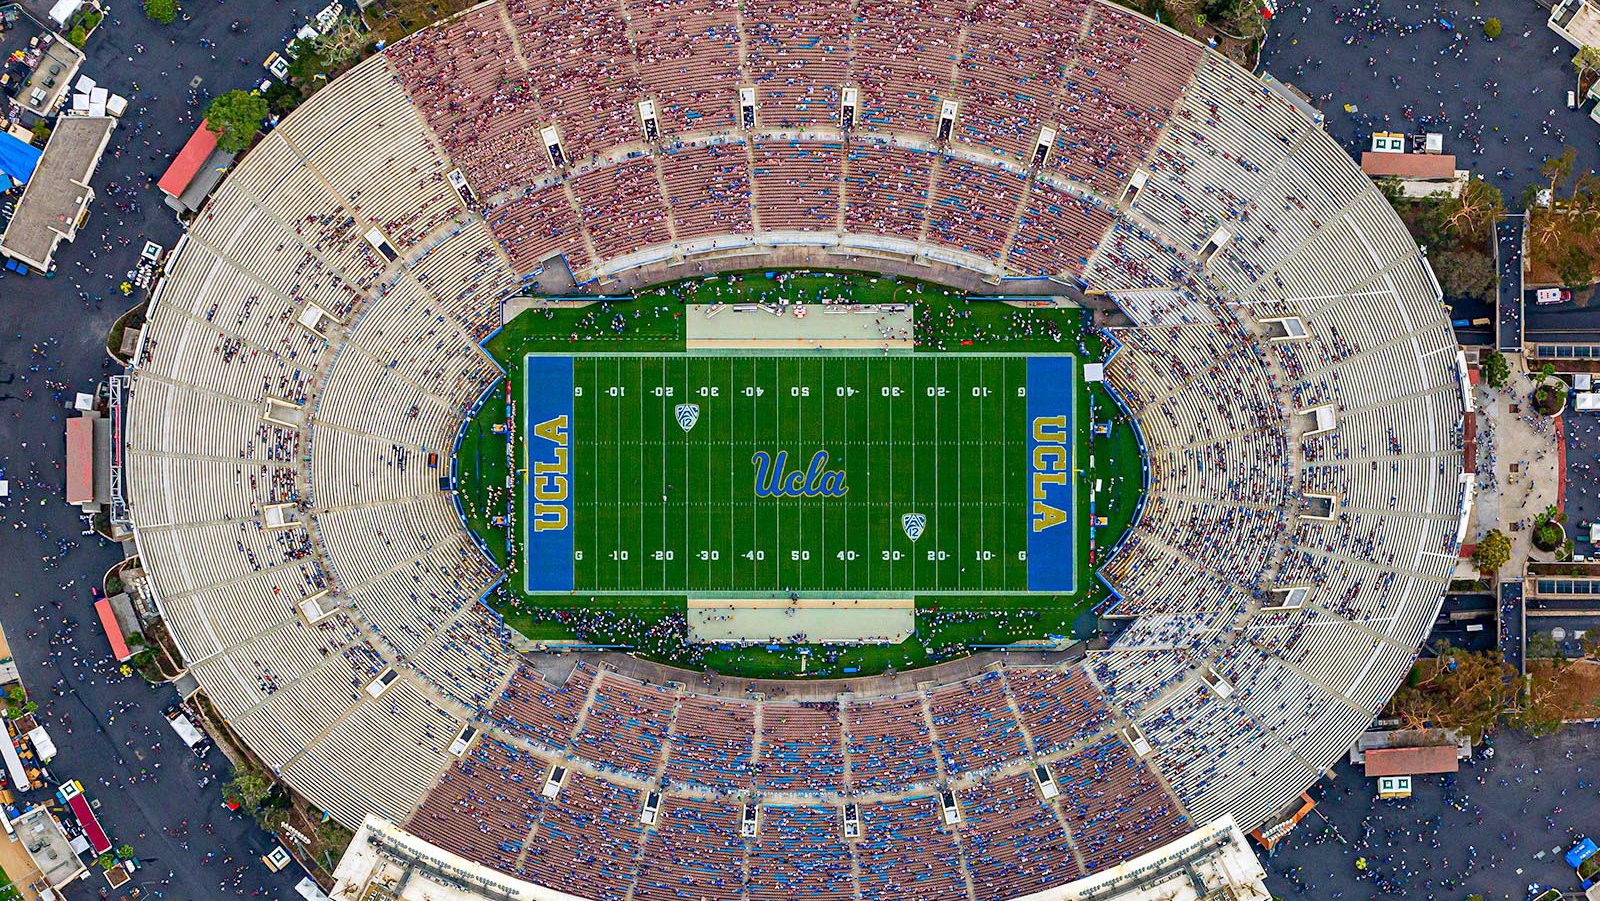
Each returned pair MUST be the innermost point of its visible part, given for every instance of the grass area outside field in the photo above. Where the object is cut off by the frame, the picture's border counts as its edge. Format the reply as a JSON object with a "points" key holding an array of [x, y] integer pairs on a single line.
{"points": [[655, 624], [8, 890]]}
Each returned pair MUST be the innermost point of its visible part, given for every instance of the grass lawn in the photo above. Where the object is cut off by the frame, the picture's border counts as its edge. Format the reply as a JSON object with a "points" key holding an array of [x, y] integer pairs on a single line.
{"points": [[8, 891], [653, 622]]}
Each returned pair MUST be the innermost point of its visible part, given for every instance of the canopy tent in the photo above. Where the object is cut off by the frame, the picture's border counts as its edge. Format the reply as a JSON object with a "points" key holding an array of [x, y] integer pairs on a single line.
{"points": [[18, 158]]}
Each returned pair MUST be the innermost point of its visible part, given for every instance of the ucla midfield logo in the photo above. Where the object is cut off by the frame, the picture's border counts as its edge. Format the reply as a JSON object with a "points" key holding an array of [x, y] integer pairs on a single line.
{"points": [[816, 480], [688, 415]]}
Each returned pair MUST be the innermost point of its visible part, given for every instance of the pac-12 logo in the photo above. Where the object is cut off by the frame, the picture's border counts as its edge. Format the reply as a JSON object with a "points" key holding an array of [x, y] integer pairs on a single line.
{"points": [[549, 478], [688, 415], [914, 524], [1051, 465], [815, 480]]}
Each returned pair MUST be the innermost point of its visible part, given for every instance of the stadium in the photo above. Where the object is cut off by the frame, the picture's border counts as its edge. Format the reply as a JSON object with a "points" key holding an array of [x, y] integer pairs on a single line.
{"points": [[412, 382]]}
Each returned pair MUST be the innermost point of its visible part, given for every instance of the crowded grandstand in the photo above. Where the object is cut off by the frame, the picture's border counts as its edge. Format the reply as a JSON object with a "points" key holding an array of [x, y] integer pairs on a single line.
{"points": [[1279, 339]]}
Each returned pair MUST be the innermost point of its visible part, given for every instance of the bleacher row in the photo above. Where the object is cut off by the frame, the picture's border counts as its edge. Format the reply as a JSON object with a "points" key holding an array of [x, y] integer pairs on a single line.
{"points": [[277, 298], [290, 365], [986, 723], [1222, 391], [1103, 80], [709, 759]]}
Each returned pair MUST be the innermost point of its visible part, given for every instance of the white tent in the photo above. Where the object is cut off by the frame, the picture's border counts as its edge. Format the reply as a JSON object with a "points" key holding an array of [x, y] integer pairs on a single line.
{"points": [[42, 744]]}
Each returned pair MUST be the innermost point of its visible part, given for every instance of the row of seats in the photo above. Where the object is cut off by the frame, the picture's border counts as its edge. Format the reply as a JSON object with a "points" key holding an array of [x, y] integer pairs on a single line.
{"points": [[385, 375], [591, 835], [625, 726]]}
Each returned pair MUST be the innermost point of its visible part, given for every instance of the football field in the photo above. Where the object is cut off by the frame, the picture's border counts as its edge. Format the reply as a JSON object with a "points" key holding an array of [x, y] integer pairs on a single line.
{"points": [[822, 474]]}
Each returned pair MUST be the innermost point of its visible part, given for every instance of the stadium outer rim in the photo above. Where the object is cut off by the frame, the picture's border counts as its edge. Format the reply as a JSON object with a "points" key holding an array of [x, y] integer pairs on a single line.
{"points": [[834, 260]]}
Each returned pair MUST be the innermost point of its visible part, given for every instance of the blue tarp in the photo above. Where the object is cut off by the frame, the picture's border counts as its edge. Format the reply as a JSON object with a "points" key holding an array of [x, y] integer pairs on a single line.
{"points": [[1581, 852], [17, 158]]}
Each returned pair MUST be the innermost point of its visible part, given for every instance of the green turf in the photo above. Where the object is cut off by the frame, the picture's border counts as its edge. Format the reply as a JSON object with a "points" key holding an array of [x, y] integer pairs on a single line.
{"points": [[652, 621], [658, 508]]}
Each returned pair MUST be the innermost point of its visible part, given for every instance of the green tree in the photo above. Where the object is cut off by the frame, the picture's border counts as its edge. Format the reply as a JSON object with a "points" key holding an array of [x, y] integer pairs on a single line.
{"points": [[1459, 690], [341, 43], [1590, 643], [332, 836], [163, 11], [1496, 371], [272, 819], [1474, 211], [1493, 551], [1491, 29], [1541, 645], [308, 69], [282, 99], [235, 117], [1586, 60], [1573, 265], [1547, 536], [247, 787], [1559, 168], [1466, 273]]}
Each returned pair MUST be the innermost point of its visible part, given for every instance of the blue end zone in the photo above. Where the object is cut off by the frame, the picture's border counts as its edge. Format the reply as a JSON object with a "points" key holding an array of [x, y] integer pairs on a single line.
{"points": [[547, 420], [1052, 446]]}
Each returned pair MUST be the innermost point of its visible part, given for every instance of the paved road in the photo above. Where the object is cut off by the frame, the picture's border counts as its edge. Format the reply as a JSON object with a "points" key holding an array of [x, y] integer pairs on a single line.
{"points": [[51, 344], [1581, 431], [1501, 104], [1509, 822], [1508, 237], [1577, 321], [1511, 639]]}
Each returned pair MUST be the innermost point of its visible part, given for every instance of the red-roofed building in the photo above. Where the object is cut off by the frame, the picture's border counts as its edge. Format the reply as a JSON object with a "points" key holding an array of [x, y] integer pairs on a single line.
{"points": [[1426, 166], [108, 620], [80, 460], [1412, 761], [193, 155], [89, 461], [195, 172]]}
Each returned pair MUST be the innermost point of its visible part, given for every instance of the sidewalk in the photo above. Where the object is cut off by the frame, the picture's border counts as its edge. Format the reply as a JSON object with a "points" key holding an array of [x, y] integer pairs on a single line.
{"points": [[1518, 464]]}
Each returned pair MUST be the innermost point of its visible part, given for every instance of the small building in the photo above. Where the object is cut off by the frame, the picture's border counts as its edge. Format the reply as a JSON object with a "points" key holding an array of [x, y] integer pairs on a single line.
{"points": [[1419, 174], [1410, 752], [1283, 822], [1577, 21], [1394, 786], [195, 171], [89, 461], [56, 201], [46, 842], [1422, 761], [38, 65]]}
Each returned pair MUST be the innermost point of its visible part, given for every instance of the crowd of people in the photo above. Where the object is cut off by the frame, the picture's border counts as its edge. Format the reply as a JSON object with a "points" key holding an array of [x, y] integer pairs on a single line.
{"points": [[586, 77], [494, 806]]}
